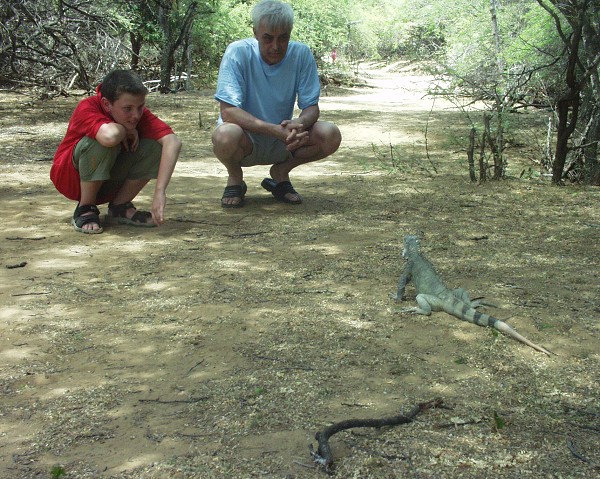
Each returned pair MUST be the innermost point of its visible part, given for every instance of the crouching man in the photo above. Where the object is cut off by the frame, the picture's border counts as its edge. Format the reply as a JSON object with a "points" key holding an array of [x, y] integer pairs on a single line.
{"points": [[260, 80]]}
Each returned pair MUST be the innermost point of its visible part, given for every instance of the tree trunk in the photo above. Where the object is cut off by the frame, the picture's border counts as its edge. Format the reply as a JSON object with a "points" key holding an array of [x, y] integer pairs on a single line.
{"points": [[482, 162], [579, 69], [496, 33], [567, 108], [591, 109], [591, 165], [136, 47], [189, 62], [173, 37], [166, 63], [494, 147], [499, 158], [471, 155]]}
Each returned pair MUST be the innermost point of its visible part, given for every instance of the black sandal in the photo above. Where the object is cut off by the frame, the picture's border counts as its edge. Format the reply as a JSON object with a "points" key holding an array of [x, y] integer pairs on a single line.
{"points": [[117, 214], [234, 191], [84, 215], [279, 190]]}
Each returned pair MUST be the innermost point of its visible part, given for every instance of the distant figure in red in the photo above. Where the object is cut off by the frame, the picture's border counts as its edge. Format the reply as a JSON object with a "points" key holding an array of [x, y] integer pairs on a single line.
{"points": [[333, 55]]}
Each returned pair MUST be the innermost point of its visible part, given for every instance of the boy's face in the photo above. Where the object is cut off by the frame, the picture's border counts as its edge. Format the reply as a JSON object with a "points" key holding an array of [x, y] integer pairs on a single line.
{"points": [[126, 110], [272, 43]]}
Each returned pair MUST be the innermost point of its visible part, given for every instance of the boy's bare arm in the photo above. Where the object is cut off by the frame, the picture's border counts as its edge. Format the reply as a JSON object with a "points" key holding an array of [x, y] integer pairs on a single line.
{"points": [[111, 134], [171, 146]]}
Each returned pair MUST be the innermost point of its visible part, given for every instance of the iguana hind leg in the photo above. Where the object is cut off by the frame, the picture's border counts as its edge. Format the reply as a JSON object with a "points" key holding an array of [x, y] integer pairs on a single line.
{"points": [[463, 295], [427, 303]]}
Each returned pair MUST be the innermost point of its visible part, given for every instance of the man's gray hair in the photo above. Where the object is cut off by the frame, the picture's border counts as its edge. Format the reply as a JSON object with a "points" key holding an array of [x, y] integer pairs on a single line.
{"points": [[273, 14]]}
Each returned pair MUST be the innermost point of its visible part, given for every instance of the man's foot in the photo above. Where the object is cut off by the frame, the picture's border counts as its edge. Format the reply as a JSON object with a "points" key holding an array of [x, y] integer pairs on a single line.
{"points": [[279, 184], [283, 191], [86, 219], [128, 214], [233, 196]]}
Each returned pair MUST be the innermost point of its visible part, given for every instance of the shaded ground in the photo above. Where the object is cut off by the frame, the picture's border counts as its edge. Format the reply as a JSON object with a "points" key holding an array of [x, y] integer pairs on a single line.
{"points": [[218, 344]]}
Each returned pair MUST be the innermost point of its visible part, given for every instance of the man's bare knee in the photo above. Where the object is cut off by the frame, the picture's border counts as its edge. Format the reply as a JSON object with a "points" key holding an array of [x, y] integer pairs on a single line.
{"points": [[328, 136], [229, 140], [227, 134]]}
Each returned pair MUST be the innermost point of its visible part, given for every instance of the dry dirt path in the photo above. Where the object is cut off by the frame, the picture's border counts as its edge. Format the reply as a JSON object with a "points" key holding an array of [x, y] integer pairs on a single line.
{"points": [[215, 346]]}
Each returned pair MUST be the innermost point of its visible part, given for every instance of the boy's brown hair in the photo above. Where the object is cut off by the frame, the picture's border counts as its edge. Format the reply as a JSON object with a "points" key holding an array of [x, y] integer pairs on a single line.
{"points": [[118, 82]]}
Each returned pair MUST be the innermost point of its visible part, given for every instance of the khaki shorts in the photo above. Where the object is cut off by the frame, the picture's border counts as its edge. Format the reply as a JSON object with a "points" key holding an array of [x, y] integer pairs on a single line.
{"points": [[266, 150], [114, 165]]}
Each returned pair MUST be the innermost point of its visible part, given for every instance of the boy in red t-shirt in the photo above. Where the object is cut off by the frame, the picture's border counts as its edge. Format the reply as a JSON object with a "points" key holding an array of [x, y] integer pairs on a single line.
{"points": [[113, 146]]}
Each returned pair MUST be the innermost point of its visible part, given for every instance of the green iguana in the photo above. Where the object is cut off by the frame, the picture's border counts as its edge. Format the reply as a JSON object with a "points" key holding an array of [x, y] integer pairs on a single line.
{"points": [[432, 295]]}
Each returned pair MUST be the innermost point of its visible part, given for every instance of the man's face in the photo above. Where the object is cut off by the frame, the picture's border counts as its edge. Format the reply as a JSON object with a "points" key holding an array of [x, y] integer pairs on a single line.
{"points": [[272, 43], [126, 110]]}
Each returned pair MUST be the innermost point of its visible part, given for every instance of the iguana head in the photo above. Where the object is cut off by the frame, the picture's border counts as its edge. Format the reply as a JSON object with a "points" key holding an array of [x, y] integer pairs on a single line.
{"points": [[411, 246]]}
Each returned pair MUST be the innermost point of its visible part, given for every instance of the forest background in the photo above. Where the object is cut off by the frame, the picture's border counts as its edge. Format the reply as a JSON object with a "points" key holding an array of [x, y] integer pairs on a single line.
{"points": [[503, 55]]}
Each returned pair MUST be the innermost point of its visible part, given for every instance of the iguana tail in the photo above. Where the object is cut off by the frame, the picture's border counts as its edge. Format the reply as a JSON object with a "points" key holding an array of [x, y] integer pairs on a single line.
{"points": [[465, 312]]}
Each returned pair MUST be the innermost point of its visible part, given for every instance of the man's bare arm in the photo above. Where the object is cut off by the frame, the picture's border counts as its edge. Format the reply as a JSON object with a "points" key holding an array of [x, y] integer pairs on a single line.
{"points": [[248, 122]]}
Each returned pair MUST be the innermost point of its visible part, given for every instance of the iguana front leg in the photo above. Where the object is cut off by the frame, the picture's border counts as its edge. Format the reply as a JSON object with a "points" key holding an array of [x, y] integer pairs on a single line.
{"points": [[404, 280]]}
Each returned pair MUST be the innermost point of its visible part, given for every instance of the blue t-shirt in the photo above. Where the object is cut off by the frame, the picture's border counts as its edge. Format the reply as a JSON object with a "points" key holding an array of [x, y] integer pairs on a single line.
{"points": [[268, 92]]}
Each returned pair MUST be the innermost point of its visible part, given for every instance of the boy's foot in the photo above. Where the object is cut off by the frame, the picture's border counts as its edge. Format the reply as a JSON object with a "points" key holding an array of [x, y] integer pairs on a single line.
{"points": [[128, 214], [86, 219]]}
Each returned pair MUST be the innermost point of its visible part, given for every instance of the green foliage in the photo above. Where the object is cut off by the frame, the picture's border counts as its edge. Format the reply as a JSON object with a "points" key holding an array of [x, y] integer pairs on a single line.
{"points": [[213, 32], [259, 391], [321, 25], [469, 52], [138, 18], [385, 158], [537, 34], [57, 471], [499, 422], [419, 29]]}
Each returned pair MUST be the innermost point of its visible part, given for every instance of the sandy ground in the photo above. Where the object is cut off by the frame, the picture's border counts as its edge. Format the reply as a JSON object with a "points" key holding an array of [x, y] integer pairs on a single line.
{"points": [[218, 344]]}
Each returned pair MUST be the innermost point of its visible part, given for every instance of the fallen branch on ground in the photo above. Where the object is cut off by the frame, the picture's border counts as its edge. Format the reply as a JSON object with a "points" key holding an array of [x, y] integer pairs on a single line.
{"points": [[573, 449], [20, 238], [175, 401], [22, 264], [323, 455]]}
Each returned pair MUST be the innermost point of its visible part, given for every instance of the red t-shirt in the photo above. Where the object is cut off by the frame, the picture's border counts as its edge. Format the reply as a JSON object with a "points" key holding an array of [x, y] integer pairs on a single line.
{"points": [[86, 120]]}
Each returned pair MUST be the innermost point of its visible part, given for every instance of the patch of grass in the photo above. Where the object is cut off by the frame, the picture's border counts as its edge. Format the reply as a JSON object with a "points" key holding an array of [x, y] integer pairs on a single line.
{"points": [[391, 159], [259, 391], [57, 471], [543, 326], [385, 158], [499, 422]]}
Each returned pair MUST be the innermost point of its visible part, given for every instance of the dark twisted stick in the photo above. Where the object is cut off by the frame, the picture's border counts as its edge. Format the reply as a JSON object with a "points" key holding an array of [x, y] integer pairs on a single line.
{"points": [[324, 457]]}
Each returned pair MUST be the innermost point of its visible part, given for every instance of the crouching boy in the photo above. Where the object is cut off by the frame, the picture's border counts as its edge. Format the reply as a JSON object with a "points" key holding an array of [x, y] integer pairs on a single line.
{"points": [[113, 146]]}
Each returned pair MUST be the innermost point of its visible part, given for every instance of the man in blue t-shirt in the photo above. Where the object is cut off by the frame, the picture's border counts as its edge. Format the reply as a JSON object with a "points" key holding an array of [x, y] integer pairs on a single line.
{"points": [[260, 80]]}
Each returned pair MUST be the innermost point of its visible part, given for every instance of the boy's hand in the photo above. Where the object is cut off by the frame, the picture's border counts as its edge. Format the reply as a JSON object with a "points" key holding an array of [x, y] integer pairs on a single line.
{"points": [[158, 207], [131, 140]]}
